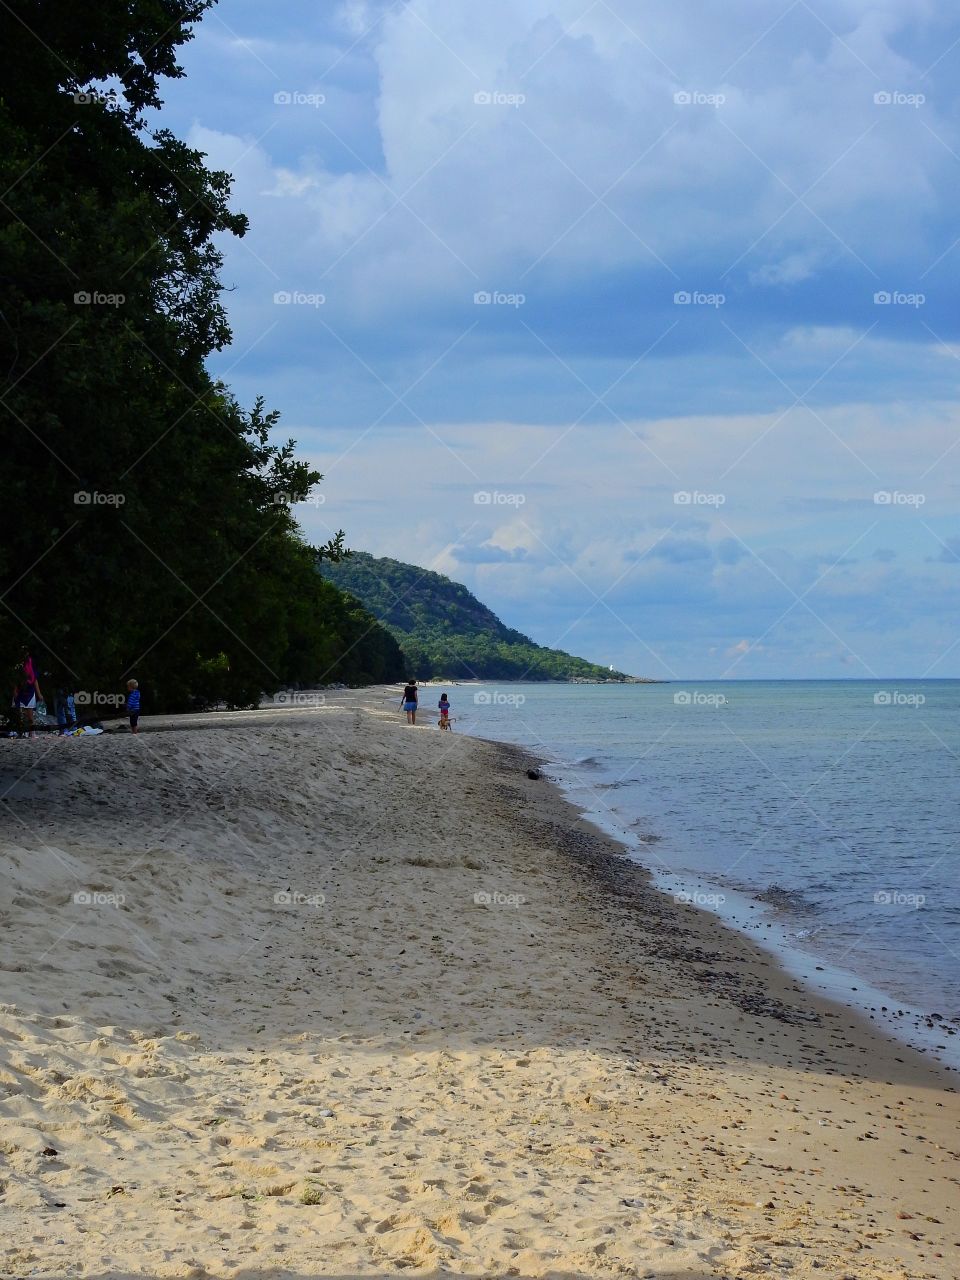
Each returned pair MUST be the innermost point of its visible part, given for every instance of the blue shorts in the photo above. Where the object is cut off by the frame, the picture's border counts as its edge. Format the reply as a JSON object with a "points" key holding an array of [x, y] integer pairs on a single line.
{"points": [[409, 706]]}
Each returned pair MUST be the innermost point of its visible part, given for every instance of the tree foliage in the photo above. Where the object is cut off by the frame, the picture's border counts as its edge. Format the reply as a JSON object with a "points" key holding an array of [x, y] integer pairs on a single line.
{"points": [[146, 517]]}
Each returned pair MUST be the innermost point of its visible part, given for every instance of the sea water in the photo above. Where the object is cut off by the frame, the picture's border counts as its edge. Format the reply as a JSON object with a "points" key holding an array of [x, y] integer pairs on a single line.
{"points": [[823, 815]]}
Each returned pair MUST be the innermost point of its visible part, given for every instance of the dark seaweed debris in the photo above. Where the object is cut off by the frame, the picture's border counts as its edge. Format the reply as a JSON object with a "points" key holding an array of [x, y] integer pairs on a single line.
{"points": [[784, 899]]}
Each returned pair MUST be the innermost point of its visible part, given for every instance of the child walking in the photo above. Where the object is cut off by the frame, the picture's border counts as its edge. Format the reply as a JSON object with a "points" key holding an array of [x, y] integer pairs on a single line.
{"points": [[133, 705]]}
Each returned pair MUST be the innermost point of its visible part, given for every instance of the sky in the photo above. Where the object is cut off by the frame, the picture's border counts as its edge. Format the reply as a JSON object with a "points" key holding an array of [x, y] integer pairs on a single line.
{"points": [[638, 319]]}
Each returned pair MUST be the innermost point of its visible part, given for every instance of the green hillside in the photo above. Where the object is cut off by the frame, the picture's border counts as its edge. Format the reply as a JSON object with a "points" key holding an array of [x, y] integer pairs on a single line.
{"points": [[444, 630]]}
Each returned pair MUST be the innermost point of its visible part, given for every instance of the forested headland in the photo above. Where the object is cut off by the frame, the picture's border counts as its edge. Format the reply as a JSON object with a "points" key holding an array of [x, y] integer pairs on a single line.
{"points": [[444, 630]]}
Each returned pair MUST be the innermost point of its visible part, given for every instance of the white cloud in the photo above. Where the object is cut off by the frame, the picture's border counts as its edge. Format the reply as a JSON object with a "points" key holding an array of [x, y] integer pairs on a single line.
{"points": [[797, 196], [793, 167], [792, 269]]}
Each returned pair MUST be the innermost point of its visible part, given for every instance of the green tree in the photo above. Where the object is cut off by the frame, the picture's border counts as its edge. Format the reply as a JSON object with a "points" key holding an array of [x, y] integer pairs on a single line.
{"points": [[146, 517]]}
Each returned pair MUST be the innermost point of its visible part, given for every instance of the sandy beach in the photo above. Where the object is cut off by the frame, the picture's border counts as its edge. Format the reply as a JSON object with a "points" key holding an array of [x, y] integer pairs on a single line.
{"points": [[308, 992]]}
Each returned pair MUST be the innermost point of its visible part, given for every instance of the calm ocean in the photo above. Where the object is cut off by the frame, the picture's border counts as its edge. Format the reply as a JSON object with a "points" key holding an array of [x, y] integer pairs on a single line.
{"points": [[822, 815]]}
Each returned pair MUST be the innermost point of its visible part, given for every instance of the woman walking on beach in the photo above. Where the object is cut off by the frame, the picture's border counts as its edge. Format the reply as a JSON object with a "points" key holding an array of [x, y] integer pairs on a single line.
{"points": [[410, 700]]}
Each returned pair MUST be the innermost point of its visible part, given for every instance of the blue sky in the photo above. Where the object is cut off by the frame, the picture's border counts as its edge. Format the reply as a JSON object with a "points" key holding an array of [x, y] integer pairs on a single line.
{"points": [[638, 319]]}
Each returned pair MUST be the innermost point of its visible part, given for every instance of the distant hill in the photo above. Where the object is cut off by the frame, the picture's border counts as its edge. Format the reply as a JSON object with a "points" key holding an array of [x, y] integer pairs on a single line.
{"points": [[444, 630]]}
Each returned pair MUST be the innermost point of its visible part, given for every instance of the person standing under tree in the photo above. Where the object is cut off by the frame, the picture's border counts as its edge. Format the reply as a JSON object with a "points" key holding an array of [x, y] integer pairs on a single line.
{"points": [[133, 705], [66, 710], [26, 695]]}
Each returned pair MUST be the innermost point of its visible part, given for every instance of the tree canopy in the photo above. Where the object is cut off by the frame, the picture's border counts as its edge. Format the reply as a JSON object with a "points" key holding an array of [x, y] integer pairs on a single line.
{"points": [[147, 517]]}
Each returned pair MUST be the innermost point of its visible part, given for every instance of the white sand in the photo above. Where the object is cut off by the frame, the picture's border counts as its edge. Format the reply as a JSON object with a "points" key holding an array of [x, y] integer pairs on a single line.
{"points": [[580, 1079]]}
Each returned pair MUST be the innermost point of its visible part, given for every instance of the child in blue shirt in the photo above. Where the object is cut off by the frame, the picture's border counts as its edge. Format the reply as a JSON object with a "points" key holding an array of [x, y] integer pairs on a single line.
{"points": [[66, 709], [133, 705]]}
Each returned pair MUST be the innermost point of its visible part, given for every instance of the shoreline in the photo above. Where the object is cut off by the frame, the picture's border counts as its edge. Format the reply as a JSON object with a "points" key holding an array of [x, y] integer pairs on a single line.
{"points": [[595, 1080], [919, 1030], [926, 1029], [621, 854]]}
